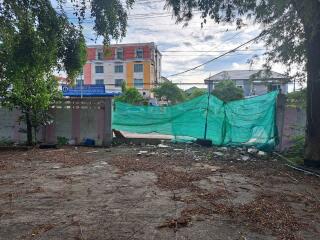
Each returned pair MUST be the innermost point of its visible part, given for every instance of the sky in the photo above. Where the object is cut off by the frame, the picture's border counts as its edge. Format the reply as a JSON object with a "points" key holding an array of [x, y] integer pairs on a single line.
{"points": [[184, 47]]}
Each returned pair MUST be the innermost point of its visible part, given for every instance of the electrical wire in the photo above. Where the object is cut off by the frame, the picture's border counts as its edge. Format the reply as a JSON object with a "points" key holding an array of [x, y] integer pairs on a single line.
{"points": [[220, 56]]}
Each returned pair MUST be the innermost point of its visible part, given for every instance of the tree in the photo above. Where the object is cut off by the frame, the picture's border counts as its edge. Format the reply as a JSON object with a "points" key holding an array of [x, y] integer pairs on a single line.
{"points": [[44, 94], [227, 91], [35, 41], [298, 98], [110, 16], [131, 96], [291, 30], [196, 92], [170, 91]]}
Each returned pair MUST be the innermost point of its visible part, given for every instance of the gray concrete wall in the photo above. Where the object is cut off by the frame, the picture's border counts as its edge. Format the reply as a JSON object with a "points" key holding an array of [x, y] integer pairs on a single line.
{"points": [[62, 123], [294, 124], [74, 120], [10, 128]]}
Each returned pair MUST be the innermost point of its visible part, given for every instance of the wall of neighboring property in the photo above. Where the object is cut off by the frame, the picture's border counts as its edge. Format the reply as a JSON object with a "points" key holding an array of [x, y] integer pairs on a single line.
{"points": [[10, 129], [75, 120], [294, 123]]}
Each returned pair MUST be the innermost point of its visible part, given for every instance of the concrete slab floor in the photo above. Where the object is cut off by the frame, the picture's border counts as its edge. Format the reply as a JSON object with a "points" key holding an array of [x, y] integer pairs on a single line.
{"points": [[146, 192]]}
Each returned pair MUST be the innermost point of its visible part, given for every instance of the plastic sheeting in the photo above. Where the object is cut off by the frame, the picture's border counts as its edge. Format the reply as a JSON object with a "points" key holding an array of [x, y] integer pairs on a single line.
{"points": [[248, 121]]}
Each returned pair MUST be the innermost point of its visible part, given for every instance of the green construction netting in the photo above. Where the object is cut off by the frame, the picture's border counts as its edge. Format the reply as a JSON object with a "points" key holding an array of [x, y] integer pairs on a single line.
{"points": [[249, 121]]}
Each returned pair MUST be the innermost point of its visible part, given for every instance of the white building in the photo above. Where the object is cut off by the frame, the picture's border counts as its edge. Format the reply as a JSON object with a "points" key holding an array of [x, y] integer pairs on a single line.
{"points": [[254, 82]]}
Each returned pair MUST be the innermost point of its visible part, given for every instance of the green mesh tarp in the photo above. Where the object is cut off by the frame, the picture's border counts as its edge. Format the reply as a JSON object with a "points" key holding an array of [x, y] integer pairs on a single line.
{"points": [[244, 122]]}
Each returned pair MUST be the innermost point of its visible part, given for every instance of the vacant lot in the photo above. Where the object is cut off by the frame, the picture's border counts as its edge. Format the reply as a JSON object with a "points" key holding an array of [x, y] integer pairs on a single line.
{"points": [[150, 192]]}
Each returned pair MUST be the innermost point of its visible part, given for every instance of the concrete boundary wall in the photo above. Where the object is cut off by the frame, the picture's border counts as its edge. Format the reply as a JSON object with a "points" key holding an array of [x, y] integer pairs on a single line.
{"points": [[74, 118], [294, 124], [77, 119]]}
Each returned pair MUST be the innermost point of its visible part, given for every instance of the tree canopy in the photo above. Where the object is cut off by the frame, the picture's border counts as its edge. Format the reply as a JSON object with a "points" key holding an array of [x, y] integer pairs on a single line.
{"points": [[195, 92], [131, 96], [170, 92], [227, 91], [34, 42]]}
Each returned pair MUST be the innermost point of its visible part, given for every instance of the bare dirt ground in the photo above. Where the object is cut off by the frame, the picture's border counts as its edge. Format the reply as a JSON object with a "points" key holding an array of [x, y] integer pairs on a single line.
{"points": [[145, 192]]}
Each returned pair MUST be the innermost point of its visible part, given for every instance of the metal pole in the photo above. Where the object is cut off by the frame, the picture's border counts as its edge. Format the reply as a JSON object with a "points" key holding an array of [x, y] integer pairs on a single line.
{"points": [[206, 123], [81, 79], [209, 82]]}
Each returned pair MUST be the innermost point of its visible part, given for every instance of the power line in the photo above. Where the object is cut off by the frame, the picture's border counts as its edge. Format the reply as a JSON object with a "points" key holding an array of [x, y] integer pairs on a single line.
{"points": [[206, 55], [220, 56], [207, 51]]}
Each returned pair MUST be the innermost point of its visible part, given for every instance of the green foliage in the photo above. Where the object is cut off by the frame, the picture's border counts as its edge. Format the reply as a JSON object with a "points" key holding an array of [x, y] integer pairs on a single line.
{"points": [[34, 42], [298, 98], [124, 86], [227, 91], [6, 142], [74, 55], [132, 96], [110, 17], [170, 91], [296, 151], [62, 141], [196, 92]]}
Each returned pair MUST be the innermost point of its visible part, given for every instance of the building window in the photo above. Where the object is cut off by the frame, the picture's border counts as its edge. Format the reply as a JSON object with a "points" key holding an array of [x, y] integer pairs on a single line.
{"points": [[118, 68], [99, 81], [119, 53], [139, 53], [79, 82], [99, 69], [118, 82], [99, 55], [138, 83], [138, 67]]}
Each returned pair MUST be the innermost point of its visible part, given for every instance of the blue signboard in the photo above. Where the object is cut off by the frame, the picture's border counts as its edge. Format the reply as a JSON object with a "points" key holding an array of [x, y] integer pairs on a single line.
{"points": [[96, 90]]}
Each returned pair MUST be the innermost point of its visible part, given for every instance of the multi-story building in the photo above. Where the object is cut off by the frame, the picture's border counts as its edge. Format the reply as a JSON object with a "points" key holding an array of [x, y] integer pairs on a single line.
{"points": [[138, 64]]}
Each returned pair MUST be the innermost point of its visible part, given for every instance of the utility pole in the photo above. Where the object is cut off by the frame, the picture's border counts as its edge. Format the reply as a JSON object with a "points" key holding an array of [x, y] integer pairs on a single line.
{"points": [[81, 82]]}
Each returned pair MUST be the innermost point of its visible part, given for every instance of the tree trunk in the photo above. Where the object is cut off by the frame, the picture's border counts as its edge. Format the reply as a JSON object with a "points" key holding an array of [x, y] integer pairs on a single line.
{"points": [[312, 147], [29, 129]]}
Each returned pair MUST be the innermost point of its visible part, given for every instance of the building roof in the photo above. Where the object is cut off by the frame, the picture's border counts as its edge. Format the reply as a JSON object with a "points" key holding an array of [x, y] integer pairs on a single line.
{"points": [[121, 45], [164, 79], [248, 74]]}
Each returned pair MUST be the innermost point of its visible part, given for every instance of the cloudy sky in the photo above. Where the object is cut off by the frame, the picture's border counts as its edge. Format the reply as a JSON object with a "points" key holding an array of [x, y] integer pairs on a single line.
{"points": [[186, 47]]}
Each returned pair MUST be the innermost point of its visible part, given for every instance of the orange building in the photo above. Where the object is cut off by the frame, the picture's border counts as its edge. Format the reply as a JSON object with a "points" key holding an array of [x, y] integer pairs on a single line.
{"points": [[138, 64]]}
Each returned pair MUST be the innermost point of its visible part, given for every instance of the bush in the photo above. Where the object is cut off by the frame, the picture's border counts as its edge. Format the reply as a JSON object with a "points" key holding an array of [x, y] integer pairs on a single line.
{"points": [[296, 152], [131, 96], [227, 91], [62, 141]]}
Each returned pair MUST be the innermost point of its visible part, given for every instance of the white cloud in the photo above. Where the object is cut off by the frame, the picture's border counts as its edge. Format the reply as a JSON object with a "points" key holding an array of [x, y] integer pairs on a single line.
{"points": [[192, 45]]}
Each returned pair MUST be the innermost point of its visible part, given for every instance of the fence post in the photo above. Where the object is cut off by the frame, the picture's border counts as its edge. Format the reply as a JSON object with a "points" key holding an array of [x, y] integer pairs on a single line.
{"points": [[280, 117]]}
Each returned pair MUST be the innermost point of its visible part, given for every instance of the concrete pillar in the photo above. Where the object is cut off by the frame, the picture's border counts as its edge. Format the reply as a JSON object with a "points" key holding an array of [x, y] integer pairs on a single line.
{"points": [[75, 123], [280, 113], [107, 138]]}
